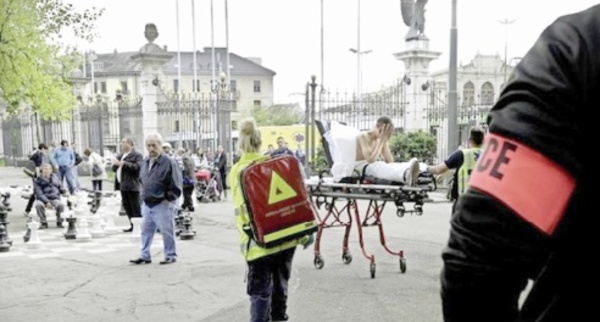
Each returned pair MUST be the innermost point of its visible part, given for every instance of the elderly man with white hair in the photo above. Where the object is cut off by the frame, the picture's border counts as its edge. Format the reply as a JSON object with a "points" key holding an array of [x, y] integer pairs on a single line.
{"points": [[161, 187]]}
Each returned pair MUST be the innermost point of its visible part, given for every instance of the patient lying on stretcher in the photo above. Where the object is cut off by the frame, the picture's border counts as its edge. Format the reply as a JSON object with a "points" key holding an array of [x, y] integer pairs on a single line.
{"points": [[353, 150]]}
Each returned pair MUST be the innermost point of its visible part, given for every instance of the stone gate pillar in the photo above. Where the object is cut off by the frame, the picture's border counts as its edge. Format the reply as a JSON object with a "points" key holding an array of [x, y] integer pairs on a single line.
{"points": [[150, 61], [416, 58]]}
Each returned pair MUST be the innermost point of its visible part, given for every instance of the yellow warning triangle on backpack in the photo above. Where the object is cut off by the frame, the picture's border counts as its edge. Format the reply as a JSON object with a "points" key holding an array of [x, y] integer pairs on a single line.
{"points": [[279, 190]]}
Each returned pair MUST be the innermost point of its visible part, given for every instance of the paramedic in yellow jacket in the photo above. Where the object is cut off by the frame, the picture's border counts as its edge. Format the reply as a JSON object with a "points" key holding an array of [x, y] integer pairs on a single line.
{"points": [[268, 268], [464, 161]]}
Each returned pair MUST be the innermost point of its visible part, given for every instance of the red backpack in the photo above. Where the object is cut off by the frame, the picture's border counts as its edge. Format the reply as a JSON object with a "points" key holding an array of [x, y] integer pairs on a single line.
{"points": [[277, 202]]}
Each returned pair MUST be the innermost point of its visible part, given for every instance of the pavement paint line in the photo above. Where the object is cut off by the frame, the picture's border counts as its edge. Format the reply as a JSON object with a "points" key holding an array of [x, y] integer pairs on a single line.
{"points": [[122, 245], [66, 250], [101, 250], [46, 255], [11, 254]]}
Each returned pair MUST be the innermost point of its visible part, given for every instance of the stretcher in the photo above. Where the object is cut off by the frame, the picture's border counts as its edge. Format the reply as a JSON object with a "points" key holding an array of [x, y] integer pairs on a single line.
{"points": [[339, 201]]}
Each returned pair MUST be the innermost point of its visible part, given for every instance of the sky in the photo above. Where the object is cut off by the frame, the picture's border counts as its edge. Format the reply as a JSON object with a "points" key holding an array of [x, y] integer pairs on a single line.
{"points": [[286, 34]]}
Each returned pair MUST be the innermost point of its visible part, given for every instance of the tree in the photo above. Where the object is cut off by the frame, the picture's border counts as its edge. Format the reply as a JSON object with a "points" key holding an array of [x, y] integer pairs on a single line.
{"points": [[418, 144], [279, 114], [35, 66]]}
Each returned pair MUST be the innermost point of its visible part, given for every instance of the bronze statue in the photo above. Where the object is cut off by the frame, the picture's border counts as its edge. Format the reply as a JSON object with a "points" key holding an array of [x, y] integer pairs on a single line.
{"points": [[413, 14]]}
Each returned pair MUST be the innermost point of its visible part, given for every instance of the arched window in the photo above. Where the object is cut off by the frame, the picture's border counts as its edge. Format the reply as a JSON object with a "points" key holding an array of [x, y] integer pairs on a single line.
{"points": [[487, 93], [468, 94]]}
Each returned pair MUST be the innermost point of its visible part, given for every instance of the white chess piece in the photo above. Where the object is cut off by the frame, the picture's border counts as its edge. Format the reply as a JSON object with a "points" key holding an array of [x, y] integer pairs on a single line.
{"points": [[83, 233], [34, 238], [96, 229], [110, 213], [136, 233]]}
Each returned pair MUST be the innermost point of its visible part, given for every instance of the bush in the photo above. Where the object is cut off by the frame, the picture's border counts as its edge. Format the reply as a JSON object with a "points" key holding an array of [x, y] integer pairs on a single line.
{"points": [[418, 145]]}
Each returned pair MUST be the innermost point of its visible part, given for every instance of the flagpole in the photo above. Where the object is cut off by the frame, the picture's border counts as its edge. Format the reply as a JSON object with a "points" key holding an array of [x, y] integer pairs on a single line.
{"points": [[213, 82], [178, 79], [230, 97], [195, 87]]}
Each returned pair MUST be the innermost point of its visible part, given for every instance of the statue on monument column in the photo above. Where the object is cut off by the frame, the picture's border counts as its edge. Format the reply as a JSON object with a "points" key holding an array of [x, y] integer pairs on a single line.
{"points": [[413, 14], [151, 33]]}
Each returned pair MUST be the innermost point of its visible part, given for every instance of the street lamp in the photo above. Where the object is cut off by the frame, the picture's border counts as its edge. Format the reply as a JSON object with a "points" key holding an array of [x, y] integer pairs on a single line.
{"points": [[506, 22], [359, 69]]}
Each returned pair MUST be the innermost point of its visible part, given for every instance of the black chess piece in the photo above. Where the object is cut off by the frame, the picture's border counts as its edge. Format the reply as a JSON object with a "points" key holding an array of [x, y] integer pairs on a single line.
{"points": [[71, 230], [4, 223], [187, 233], [4, 246], [28, 232], [179, 222]]}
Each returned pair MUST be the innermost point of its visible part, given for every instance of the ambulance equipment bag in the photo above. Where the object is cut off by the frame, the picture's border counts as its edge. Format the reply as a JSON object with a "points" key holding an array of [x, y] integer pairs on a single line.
{"points": [[277, 201]]}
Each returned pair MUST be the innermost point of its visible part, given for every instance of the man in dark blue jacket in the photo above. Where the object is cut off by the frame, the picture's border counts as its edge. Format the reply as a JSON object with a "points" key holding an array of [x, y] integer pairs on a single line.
{"points": [[161, 187], [47, 193]]}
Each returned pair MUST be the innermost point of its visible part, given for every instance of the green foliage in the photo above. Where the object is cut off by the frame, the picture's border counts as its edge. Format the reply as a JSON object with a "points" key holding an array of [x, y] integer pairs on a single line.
{"points": [[35, 66], [320, 162], [277, 115], [418, 144]]}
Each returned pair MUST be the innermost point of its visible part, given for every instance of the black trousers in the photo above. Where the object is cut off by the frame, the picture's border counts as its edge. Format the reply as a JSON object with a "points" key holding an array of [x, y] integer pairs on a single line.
{"points": [[131, 203], [268, 286], [187, 197]]}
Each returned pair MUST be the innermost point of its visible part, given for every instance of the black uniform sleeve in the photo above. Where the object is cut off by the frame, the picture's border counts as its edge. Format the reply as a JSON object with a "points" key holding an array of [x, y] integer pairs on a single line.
{"points": [[492, 251]]}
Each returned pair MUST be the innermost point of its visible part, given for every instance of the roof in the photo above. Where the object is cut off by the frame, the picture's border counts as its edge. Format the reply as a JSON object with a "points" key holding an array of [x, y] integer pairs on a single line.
{"points": [[121, 63]]}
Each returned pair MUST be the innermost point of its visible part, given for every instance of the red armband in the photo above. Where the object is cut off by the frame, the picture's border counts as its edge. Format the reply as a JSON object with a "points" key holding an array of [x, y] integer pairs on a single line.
{"points": [[530, 184]]}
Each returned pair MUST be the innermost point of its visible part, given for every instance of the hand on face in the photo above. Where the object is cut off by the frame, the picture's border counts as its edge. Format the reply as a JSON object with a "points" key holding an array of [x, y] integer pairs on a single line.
{"points": [[385, 132]]}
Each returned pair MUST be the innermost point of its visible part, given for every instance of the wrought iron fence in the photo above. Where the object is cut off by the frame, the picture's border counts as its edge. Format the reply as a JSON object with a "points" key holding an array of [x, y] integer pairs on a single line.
{"points": [[197, 120]]}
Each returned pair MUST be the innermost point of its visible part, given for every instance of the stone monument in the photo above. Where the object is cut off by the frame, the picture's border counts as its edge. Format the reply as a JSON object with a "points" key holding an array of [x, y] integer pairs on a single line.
{"points": [[416, 58], [150, 61]]}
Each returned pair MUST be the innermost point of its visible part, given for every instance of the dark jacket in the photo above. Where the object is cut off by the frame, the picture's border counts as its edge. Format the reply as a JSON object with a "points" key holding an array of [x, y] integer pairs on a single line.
{"points": [[510, 227], [221, 162], [47, 189], [130, 173], [188, 173], [37, 158], [161, 182]]}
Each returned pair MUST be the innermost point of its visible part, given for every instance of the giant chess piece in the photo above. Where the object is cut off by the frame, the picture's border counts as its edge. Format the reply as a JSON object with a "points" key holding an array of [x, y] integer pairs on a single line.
{"points": [[179, 222], [111, 211], [34, 241], [187, 233], [83, 234], [96, 229], [4, 223], [4, 246], [71, 229]]}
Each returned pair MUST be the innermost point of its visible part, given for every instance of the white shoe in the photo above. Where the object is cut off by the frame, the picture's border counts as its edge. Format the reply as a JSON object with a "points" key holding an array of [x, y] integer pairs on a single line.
{"points": [[412, 173]]}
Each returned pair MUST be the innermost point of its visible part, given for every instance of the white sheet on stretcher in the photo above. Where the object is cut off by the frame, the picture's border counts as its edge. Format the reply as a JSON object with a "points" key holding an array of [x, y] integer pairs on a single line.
{"points": [[342, 145]]}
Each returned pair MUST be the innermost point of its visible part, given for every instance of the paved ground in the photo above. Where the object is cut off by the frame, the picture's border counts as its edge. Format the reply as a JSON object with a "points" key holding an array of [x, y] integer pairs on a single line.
{"points": [[75, 281]]}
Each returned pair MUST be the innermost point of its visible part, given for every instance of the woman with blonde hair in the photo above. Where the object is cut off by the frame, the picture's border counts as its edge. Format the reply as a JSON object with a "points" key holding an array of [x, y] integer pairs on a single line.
{"points": [[97, 168], [268, 268]]}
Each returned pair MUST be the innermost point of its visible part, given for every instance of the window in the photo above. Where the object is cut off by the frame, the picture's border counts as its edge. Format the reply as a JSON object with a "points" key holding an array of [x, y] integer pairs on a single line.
{"points": [[234, 106], [468, 94], [98, 66], [176, 85], [103, 87], [124, 89], [487, 93], [176, 126], [257, 103], [95, 87], [234, 125], [233, 85], [256, 86]]}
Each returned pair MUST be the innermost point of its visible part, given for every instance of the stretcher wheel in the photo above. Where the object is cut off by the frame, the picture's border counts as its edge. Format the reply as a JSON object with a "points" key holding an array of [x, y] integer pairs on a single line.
{"points": [[347, 258], [372, 270], [402, 265], [400, 211], [419, 210], [319, 262]]}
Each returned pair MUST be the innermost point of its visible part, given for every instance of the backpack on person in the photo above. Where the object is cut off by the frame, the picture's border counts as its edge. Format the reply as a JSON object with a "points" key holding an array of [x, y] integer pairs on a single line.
{"points": [[276, 200]]}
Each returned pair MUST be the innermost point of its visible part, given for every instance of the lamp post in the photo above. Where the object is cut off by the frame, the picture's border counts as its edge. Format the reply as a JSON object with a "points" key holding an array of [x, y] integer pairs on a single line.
{"points": [[506, 22], [359, 69]]}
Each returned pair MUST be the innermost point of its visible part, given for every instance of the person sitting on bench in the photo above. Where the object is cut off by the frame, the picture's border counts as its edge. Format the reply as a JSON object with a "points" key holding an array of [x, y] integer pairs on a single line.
{"points": [[47, 195], [354, 150]]}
